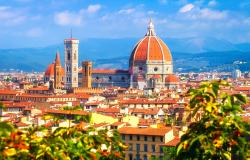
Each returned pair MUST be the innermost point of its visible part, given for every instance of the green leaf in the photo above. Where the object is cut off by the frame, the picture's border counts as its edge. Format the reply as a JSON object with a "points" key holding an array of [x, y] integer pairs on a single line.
{"points": [[227, 155], [241, 98]]}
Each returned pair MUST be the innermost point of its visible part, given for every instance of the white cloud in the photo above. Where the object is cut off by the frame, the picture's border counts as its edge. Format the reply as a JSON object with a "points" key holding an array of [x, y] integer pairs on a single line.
{"points": [[212, 14], [126, 11], [93, 8], [69, 18], [2, 8], [212, 3], [34, 32], [246, 21], [151, 12], [186, 8], [205, 14], [10, 16]]}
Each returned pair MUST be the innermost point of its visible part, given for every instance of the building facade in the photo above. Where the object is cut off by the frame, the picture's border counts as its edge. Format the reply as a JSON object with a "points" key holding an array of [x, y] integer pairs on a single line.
{"points": [[145, 143]]}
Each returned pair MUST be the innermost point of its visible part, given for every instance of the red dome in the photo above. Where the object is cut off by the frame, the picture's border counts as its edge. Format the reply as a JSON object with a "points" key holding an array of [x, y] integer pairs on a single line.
{"points": [[172, 79], [150, 48], [50, 70]]}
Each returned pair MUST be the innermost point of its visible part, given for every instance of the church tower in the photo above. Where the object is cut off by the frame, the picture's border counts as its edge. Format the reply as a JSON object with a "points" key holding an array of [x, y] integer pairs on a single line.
{"points": [[58, 72], [86, 74], [71, 62]]}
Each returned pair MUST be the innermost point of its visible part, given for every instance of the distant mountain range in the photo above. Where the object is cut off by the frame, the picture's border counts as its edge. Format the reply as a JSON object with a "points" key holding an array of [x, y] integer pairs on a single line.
{"points": [[189, 54]]}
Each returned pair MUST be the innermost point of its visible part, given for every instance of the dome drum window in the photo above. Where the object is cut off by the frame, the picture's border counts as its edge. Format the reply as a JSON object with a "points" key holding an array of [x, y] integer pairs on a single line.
{"points": [[156, 69]]}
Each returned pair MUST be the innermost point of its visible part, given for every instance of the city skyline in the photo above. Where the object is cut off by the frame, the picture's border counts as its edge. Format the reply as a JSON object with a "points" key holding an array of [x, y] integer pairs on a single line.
{"points": [[29, 23]]}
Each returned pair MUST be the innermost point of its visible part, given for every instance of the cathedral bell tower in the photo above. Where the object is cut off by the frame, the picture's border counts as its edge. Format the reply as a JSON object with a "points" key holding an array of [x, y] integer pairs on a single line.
{"points": [[71, 62]]}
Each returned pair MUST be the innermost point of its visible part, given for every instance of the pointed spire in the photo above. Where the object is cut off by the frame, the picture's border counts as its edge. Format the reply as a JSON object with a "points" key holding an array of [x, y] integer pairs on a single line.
{"points": [[57, 58], [151, 30]]}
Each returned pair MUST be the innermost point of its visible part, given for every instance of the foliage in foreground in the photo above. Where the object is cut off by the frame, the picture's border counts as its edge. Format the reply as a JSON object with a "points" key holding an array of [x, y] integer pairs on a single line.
{"points": [[64, 143], [220, 133]]}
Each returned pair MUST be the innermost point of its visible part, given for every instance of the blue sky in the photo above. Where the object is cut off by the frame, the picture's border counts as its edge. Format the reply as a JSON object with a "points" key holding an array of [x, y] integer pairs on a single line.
{"points": [[35, 23]]}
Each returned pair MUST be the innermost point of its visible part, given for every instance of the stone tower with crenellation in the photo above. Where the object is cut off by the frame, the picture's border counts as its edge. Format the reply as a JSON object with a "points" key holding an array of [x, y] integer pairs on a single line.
{"points": [[86, 74]]}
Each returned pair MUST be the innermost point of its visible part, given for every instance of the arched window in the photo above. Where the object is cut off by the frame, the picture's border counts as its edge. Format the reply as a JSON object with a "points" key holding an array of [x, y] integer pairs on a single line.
{"points": [[68, 55], [123, 78], [75, 56]]}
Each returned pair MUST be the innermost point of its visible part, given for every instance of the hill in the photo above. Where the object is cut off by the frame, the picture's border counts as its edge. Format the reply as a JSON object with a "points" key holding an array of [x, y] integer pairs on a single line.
{"points": [[189, 54]]}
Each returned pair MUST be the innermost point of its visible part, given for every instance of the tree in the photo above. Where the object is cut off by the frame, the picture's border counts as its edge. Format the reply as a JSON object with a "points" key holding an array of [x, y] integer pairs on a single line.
{"points": [[220, 133], [64, 143]]}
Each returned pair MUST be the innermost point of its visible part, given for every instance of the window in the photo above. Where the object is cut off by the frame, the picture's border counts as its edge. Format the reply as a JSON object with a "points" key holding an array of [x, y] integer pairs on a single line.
{"points": [[153, 148], [85, 69], [89, 70], [145, 147], [140, 68], [123, 78], [68, 57], [123, 137], [137, 156], [130, 137], [68, 68], [138, 147], [145, 157], [97, 78], [145, 138], [130, 146], [130, 156], [138, 138], [153, 138], [161, 139], [110, 78], [156, 69]]}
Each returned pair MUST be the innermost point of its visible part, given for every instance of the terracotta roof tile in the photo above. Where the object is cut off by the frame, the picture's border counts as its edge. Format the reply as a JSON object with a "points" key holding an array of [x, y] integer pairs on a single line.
{"points": [[145, 131], [173, 142]]}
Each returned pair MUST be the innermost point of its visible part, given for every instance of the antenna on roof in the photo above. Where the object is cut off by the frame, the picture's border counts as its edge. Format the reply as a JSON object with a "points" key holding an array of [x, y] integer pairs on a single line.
{"points": [[71, 33]]}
